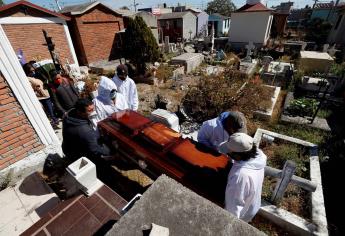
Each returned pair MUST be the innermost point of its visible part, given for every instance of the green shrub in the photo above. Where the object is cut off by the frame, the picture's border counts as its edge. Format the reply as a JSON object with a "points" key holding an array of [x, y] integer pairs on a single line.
{"points": [[302, 107]]}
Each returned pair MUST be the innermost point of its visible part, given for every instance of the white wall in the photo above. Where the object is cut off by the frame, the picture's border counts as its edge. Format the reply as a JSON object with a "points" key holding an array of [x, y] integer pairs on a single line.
{"points": [[337, 35], [189, 24], [250, 27], [256, 1], [226, 26]]}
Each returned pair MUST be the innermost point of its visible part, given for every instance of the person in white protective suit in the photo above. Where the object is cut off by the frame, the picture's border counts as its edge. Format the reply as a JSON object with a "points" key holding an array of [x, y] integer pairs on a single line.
{"points": [[245, 179], [108, 101], [126, 86], [214, 132]]}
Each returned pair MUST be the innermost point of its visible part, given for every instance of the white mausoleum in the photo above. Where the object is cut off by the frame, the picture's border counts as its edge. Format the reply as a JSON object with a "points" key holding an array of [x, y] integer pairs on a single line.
{"points": [[251, 23]]}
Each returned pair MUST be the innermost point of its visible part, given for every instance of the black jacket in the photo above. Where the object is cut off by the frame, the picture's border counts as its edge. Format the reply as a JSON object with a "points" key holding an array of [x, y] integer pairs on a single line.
{"points": [[80, 139], [64, 97]]}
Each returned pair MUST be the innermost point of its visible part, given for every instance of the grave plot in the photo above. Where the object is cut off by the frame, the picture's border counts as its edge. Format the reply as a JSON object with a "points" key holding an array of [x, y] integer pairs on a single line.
{"points": [[265, 110], [230, 90], [292, 196], [276, 73], [302, 110]]}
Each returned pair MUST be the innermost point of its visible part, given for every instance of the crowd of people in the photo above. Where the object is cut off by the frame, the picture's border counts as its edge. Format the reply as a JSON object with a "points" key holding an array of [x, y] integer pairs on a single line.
{"points": [[226, 134]]}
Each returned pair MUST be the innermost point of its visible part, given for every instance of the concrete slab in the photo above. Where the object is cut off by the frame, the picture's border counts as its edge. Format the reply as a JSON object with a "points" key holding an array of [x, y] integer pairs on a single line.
{"points": [[13, 218], [293, 223], [189, 60], [171, 205], [289, 221], [248, 67], [267, 115], [36, 196], [24, 204], [101, 66]]}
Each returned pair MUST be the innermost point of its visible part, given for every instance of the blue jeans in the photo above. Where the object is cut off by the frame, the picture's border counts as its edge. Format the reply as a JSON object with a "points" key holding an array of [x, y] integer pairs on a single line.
{"points": [[48, 107]]}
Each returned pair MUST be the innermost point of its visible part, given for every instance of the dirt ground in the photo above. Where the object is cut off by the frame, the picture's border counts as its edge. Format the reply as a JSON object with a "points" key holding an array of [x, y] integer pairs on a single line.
{"points": [[171, 92]]}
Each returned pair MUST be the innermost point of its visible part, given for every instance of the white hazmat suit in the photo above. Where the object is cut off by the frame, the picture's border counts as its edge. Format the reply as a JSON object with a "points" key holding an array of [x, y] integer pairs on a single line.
{"points": [[104, 105], [128, 88]]}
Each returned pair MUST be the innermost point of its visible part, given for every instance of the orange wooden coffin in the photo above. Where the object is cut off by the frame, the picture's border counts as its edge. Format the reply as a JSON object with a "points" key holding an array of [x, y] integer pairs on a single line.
{"points": [[164, 151]]}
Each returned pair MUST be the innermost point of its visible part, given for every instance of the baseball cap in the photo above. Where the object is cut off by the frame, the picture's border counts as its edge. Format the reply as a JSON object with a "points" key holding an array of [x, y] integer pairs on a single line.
{"points": [[238, 142]]}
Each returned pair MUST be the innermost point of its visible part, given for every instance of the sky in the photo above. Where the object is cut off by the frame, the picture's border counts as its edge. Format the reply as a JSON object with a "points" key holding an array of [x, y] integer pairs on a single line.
{"points": [[151, 3]]}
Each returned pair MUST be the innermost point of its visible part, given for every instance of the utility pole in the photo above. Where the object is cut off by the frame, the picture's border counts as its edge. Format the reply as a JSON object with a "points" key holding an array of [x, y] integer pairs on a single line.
{"points": [[135, 5], [315, 1], [58, 5]]}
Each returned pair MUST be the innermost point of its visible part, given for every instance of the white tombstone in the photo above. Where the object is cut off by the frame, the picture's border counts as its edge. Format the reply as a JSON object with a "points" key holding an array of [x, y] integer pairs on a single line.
{"points": [[325, 47], [167, 118], [212, 37]]}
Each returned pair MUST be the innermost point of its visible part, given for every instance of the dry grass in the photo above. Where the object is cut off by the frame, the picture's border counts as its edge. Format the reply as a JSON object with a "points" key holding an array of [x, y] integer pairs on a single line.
{"points": [[231, 90], [135, 175], [267, 227]]}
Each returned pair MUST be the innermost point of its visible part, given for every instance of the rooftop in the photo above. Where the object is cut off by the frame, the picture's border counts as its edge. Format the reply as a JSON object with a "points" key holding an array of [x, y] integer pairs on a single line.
{"points": [[284, 8], [173, 15], [253, 8], [31, 5], [220, 16], [79, 9]]}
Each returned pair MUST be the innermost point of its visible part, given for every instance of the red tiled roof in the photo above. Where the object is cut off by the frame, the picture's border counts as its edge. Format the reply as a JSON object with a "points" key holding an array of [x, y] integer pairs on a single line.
{"points": [[253, 8], [29, 4]]}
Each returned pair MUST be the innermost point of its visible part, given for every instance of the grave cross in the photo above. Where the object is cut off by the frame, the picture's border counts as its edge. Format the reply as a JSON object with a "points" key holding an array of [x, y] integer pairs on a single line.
{"points": [[287, 173], [249, 48], [332, 51]]}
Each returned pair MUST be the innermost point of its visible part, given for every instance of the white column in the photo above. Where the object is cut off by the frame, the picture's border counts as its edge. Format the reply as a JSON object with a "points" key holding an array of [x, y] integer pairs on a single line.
{"points": [[70, 43], [16, 78]]}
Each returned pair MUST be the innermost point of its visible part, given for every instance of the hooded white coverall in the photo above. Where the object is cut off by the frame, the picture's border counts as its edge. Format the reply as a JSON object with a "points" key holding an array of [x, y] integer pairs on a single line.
{"points": [[104, 105], [128, 88], [244, 187]]}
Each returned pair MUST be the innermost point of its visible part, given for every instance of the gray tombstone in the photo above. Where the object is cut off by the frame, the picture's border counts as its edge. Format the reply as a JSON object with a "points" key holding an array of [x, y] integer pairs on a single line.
{"points": [[266, 60], [304, 45], [166, 44], [249, 48]]}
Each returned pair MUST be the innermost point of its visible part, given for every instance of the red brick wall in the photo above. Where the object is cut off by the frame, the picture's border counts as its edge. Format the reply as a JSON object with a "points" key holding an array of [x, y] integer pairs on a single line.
{"points": [[18, 139], [97, 29], [31, 40]]}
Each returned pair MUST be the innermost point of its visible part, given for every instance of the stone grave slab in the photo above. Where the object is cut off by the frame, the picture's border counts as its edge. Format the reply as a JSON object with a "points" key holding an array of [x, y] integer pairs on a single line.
{"points": [[189, 60]]}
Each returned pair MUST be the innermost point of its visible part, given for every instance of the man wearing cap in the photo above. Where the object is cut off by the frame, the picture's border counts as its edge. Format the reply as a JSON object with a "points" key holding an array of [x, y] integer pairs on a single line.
{"points": [[108, 101], [215, 131], [126, 86], [244, 186]]}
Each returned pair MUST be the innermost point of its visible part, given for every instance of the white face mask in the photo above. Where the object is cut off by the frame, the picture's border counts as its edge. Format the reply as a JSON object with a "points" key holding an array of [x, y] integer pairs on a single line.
{"points": [[92, 115]]}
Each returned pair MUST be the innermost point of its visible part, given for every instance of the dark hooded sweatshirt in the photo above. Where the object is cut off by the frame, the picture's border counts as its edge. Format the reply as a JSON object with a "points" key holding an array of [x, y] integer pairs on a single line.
{"points": [[80, 139]]}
